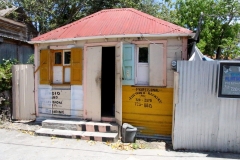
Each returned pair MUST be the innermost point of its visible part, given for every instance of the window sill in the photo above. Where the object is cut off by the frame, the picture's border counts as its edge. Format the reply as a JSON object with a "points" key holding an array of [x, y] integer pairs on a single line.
{"points": [[147, 85], [61, 85], [141, 85]]}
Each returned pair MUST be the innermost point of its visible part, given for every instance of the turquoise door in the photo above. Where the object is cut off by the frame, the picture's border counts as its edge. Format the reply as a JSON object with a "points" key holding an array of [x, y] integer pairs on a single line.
{"points": [[128, 65]]}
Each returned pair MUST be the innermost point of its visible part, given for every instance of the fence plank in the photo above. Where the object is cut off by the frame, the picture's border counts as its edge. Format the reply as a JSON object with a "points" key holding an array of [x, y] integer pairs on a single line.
{"points": [[23, 92]]}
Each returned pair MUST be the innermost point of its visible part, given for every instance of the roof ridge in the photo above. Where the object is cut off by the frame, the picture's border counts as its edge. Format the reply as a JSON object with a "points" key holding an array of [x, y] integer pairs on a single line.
{"points": [[156, 19], [89, 16], [145, 15], [128, 16], [140, 13], [70, 24]]}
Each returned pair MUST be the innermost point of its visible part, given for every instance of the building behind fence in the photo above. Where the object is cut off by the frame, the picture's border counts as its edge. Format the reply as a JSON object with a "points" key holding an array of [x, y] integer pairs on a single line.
{"points": [[14, 34]]}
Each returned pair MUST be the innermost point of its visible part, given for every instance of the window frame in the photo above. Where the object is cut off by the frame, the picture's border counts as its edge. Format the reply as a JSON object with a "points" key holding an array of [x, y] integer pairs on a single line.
{"points": [[138, 51], [54, 56], [63, 61], [164, 43], [63, 65], [137, 47]]}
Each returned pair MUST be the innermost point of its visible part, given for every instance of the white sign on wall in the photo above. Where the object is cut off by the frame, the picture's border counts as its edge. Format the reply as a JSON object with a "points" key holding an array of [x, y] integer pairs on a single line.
{"points": [[61, 101]]}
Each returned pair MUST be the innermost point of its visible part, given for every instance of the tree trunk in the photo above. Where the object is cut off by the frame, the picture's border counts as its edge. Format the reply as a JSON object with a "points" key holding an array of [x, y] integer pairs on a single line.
{"points": [[218, 55]]}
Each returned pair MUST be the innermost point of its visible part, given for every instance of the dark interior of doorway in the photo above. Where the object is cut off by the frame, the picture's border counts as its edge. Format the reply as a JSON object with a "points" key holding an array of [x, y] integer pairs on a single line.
{"points": [[108, 82]]}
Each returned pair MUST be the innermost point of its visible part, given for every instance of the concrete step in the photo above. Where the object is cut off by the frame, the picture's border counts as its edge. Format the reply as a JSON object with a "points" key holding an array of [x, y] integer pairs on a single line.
{"points": [[84, 135], [81, 126]]}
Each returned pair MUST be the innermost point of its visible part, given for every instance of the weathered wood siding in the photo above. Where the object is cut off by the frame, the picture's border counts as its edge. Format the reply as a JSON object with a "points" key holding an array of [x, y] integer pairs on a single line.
{"points": [[20, 52], [149, 109]]}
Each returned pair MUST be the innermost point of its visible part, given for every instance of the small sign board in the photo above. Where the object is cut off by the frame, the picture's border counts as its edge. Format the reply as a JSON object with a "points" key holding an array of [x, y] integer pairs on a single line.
{"points": [[55, 101], [229, 79]]}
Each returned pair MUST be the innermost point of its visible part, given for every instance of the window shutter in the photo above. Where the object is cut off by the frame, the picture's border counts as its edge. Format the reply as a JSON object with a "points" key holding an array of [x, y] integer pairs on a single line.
{"points": [[76, 66], [128, 64], [157, 65], [45, 66]]}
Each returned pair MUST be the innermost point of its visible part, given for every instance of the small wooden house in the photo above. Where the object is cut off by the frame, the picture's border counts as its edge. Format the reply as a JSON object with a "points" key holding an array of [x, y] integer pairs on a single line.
{"points": [[112, 65]]}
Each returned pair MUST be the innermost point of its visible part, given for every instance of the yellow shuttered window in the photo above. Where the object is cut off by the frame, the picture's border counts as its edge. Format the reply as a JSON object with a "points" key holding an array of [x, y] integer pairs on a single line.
{"points": [[44, 67], [76, 66]]}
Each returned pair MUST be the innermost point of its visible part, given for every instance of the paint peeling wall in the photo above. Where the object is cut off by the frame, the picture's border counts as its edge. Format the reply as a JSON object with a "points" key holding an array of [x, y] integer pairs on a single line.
{"points": [[174, 52], [173, 49], [202, 120], [149, 109], [45, 99], [62, 100]]}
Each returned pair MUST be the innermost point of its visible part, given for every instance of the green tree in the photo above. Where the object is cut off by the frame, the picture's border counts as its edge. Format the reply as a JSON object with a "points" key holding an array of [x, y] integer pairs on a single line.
{"points": [[50, 14], [93, 6], [6, 74], [147, 6], [5, 4], [47, 15], [219, 24], [231, 48]]}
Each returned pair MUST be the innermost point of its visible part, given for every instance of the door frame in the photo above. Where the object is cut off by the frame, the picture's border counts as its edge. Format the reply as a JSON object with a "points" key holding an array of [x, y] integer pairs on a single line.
{"points": [[117, 90]]}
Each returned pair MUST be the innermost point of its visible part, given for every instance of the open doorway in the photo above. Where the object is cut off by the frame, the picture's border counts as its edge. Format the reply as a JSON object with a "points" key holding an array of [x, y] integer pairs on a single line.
{"points": [[108, 82]]}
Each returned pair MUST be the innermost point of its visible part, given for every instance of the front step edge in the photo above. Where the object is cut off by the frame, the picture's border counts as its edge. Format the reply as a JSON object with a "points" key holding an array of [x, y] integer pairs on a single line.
{"points": [[80, 126], [84, 135]]}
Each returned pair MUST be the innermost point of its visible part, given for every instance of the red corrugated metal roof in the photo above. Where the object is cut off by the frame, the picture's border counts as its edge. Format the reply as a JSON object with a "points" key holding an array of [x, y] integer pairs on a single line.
{"points": [[113, 22]]}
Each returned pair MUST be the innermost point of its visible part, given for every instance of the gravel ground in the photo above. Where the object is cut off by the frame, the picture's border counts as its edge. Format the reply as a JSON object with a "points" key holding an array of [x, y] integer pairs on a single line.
{"points": [[29, 127], [20, 125]]}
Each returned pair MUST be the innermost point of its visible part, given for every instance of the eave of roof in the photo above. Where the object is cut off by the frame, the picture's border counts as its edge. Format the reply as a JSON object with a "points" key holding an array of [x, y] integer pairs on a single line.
{"points": [[113, 23], [114, 36], [12, 22]]}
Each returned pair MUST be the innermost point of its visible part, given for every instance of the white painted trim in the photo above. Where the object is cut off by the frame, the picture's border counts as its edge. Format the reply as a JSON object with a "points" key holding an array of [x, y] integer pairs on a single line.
{"points": [[36, 82], [84, 84], [137, 64], [115, 36], [62, 47], [148, 42], [63, 62], [86, 45]]}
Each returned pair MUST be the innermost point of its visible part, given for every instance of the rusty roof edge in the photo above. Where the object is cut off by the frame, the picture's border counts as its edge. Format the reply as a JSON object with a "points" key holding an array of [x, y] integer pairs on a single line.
{"points": [[115, 36]]}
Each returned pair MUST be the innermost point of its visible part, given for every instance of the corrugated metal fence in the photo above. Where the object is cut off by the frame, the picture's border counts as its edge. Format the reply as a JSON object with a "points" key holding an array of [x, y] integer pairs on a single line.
{"points": [[23, 92], [202, 121], [14, 51]]}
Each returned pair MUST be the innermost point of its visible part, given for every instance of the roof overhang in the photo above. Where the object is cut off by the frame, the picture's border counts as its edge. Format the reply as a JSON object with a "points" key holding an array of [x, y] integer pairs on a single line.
{"points": [[114, 36], [12, 22]]}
